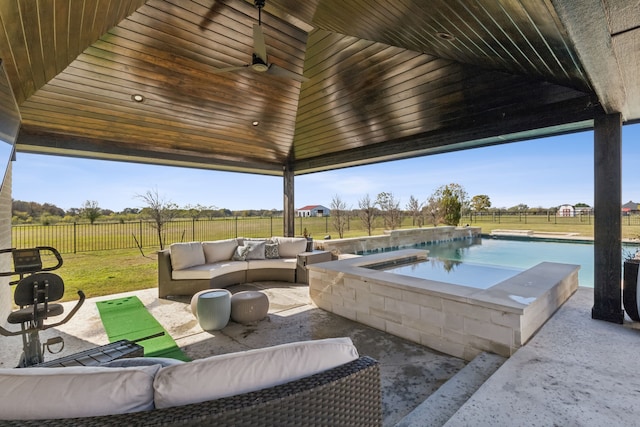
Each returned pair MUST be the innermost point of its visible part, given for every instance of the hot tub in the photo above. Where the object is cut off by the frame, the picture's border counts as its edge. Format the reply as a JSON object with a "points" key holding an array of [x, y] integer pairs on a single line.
{"points": [[456, 319]]}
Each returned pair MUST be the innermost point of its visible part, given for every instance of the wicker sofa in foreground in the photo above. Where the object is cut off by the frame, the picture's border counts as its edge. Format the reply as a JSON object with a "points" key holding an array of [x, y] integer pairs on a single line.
{"points": [[275, 391]]}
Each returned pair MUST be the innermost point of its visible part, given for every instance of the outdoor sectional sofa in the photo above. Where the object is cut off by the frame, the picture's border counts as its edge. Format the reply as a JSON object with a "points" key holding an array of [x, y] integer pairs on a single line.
{"points": [[322, 382], [187, 268]]}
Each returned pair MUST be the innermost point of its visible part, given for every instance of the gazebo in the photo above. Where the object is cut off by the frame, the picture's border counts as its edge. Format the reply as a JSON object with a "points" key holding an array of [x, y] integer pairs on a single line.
{"points": [[288, 87]]}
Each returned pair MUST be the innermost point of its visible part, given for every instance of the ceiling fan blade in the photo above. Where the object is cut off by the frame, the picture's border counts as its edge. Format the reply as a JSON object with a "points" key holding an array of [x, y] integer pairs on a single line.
{"points": [[274, 70], [259, 46]]}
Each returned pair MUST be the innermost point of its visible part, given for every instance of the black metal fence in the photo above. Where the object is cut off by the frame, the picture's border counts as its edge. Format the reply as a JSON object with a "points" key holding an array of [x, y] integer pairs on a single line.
{"points": [[85, 237]]}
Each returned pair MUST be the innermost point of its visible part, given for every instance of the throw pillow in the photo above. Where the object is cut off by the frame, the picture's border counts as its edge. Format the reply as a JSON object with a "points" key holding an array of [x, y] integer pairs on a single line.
{"points": [[219, 250], [241, 253], [185, 255], [271, 251], [256, 249]]}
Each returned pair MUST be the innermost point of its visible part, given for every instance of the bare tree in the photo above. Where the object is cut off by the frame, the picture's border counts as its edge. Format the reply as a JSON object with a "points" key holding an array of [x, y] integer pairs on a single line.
{"points": [[91, 210], [414, 207], [339, 215], [160, 211], [432, 210], [390, 208], [367, 213]]}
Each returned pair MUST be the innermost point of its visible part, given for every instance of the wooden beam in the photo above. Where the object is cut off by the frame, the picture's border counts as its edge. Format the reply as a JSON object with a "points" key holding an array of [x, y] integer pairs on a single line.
{"points": [[288, 199], [492, 128], [589, 29], [608, 224]]}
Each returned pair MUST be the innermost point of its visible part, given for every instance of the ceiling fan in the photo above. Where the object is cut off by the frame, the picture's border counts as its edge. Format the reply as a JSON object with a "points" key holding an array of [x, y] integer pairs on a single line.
{"points": [[259, 63]]}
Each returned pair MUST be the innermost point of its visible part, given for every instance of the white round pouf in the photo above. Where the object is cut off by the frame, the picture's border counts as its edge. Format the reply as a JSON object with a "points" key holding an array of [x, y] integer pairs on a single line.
{"points": [[213, 309], [249, 306]]}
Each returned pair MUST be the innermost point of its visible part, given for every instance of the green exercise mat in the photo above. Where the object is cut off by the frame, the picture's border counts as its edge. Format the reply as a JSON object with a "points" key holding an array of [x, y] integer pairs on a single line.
{"points": [[128, 319]]}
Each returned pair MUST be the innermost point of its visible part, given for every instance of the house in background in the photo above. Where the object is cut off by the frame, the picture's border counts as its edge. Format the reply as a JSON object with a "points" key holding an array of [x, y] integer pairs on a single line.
{"points": [[574, 210], [630, 208], [566, 210], [313, 210]]}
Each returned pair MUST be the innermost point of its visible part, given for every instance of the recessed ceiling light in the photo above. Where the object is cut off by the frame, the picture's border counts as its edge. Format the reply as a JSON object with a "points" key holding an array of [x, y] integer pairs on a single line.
{"points": [[255, 123], [137, 97], [445, 36]]}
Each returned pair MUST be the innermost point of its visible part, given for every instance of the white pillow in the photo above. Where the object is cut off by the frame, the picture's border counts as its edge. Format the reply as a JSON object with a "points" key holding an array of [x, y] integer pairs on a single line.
{"points": [[219, 250], [290, 247], [185, 255], [237, 373], [82, 391]]}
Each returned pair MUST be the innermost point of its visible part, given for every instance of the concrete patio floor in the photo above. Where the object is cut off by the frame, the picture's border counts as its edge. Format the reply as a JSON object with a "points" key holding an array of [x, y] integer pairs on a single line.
{"points": [[575, 371]]}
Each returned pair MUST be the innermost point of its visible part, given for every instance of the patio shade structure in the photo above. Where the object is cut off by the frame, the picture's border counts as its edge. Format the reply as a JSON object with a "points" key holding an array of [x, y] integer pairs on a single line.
{"points": [[147, 81]]}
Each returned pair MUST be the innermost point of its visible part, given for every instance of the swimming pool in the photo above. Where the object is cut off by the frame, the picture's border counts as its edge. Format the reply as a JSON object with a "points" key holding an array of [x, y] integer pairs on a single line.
{"points": [[520, 254]]}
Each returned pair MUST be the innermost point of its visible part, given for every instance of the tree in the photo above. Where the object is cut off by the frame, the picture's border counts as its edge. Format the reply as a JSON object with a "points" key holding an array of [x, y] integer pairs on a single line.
{"points": [[432, 210], [390, 209], [414, 207], [90, 210], [480, 202], [448, 202], [451, 206], [367, 213], [339, 215], [160, 211]]}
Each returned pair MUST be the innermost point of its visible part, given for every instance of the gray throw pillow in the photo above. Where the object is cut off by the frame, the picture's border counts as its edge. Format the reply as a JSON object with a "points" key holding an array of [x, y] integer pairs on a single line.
{"points": [[256, 249], [271, 251], [241, 253]]}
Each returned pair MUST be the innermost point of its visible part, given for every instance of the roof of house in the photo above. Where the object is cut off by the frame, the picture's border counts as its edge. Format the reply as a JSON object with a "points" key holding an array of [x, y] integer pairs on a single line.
{"points": [[310, 207]]}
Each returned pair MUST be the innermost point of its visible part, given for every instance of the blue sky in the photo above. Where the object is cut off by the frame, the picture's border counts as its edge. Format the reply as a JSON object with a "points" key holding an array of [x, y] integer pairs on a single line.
{"points": [[544, 172]]}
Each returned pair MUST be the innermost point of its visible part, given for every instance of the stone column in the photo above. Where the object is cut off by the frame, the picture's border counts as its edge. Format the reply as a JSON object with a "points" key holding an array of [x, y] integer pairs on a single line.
{"points": [[607, 225]]}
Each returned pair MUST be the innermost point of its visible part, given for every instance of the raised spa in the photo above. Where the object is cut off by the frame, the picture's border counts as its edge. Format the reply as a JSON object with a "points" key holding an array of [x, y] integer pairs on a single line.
{"points": [[479, 276], [497, 315]]}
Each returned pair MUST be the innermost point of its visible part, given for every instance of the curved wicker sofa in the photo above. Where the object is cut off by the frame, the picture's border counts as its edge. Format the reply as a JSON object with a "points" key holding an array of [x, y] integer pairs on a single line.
{"points": [[347, 395], [214, 264]]}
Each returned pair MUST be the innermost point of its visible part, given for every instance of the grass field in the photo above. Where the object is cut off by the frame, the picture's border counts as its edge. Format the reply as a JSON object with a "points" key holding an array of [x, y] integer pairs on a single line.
{"points": [[109, 272]]}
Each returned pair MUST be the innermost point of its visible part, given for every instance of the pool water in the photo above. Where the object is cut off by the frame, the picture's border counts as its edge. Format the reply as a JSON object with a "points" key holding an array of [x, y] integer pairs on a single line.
{"points": [[519, 254], [465, 273]]}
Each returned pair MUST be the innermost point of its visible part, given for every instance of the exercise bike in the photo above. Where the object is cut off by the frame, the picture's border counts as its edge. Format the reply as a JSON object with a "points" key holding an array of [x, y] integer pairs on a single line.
{"points": [[35, 293]]}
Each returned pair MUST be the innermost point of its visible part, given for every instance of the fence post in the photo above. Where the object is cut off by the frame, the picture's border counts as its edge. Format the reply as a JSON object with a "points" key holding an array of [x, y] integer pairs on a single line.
{"points": [[236, 219], [271, 225], [75, 238], [141, 245], [193, 229]]}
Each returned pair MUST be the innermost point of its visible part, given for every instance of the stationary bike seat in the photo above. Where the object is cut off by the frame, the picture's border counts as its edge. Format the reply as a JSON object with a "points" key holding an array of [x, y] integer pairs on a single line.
{"points": [[37, 288]]}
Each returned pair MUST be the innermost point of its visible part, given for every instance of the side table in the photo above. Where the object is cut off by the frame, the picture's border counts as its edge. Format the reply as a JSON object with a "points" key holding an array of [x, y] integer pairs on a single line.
{"points": [[213, 309]]}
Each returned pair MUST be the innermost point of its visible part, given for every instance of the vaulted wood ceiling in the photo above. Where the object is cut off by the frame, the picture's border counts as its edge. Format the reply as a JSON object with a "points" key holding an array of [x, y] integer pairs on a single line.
{"points": [[387, 79]]}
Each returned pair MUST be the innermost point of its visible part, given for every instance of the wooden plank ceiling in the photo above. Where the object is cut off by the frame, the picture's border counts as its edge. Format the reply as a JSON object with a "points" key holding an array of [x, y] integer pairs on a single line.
{"points": [[386, 79]]}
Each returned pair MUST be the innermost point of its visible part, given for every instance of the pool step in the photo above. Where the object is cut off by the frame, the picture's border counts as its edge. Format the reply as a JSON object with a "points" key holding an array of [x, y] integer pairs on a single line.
{"points": [[441, 405]]}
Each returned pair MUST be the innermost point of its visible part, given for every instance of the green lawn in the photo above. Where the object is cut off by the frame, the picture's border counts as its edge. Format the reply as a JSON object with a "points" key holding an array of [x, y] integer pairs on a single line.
{"points": [[114, 271]]}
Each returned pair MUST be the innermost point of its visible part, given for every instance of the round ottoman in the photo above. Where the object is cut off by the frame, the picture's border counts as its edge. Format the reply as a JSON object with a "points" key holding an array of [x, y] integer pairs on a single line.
{"points": [[249, 306], [212, 308]]}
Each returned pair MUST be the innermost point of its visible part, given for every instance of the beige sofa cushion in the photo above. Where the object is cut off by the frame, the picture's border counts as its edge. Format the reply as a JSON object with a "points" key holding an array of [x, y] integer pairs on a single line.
{"points": [[208, 271], [40, 393], [185, 255], [237, 373], [219, 250], [290, 247], [281, 263]]}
